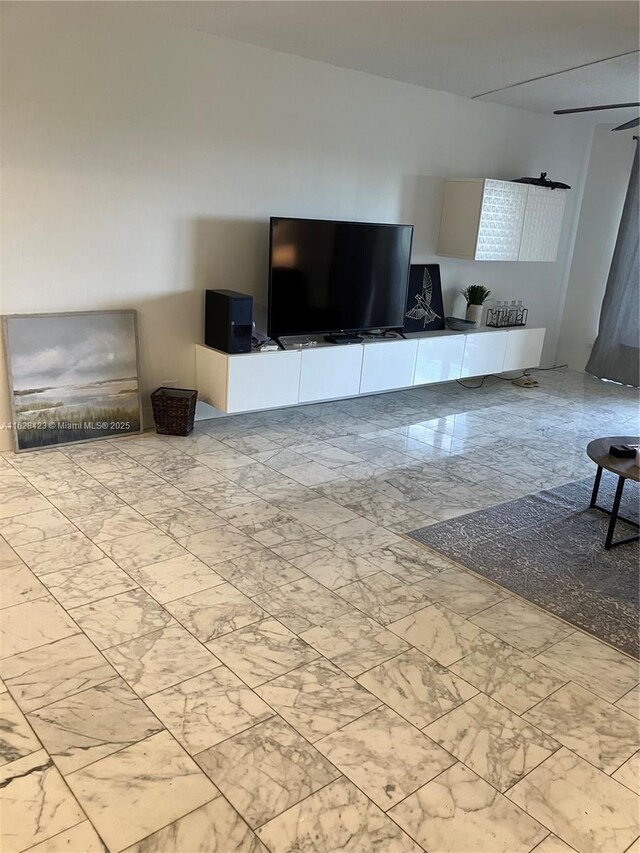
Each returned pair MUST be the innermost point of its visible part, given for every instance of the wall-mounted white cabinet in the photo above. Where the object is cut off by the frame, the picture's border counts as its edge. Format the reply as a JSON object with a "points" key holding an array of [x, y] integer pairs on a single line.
{"points": [[328, 373], [387, 365], [542, 224], [484, 354], [248, 382], [491, 220], [272, 380], [523, 348], [439, 359]]}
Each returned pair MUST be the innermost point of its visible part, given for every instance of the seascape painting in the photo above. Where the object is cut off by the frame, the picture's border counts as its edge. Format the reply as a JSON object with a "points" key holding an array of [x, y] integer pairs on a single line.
{"points": [[72, 377]]}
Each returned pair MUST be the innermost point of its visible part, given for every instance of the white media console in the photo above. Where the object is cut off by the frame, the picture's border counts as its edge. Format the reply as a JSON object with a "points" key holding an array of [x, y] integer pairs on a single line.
{"points": [[270, 380]]}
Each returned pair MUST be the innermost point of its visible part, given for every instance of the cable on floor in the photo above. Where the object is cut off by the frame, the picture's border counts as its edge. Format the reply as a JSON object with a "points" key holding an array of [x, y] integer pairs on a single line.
{"points": [[507, 378]]}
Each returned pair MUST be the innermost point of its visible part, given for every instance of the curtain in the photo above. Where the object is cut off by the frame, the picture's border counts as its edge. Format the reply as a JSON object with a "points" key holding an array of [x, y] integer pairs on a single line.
{"points": [[616, 352]]}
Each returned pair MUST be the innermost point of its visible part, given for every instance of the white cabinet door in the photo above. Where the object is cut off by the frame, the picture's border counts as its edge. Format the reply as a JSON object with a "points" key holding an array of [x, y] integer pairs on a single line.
{"points": [[484, 353], [501, 219], [439, 359], [387, 365], [542, 224], [330, 372], [265, 380], [524, 348]]}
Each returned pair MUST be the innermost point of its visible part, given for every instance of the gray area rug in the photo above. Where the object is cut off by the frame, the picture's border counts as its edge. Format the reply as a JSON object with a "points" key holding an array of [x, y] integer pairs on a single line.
{"points": [[549, 549]]}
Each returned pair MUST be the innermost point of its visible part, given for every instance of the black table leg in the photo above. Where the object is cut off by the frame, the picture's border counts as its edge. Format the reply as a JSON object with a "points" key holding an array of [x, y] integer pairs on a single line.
{"points": [[596, 487], [614, 512]]}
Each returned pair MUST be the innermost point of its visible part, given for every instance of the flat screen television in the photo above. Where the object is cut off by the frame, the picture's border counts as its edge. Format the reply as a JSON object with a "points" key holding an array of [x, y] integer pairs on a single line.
{"points": [[327, 276]]}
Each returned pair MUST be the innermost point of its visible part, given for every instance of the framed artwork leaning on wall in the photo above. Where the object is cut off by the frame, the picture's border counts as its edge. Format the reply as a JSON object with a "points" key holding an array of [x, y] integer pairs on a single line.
{"points": [[72, 377], [425, 310]]}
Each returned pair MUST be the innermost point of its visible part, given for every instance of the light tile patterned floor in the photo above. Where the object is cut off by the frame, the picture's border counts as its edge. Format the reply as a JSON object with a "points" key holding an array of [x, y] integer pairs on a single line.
{"points": [[224, 643]]}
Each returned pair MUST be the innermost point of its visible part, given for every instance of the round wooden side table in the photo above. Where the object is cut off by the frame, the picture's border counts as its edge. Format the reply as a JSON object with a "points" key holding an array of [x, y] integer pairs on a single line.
{"points": [[625, 469]]}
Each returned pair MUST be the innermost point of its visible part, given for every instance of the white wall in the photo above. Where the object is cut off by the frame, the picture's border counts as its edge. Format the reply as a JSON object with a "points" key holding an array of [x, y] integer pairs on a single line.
{"points": [[605, 189], [142, 164]]}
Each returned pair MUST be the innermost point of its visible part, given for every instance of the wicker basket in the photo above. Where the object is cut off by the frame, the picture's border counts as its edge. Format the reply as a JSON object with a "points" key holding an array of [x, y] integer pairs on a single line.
{"points": [[174, 410]]}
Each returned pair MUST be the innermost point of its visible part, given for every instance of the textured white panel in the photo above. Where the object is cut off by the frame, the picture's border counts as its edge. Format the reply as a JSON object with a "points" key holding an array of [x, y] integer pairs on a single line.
{"points": [[542, 224], [501, 218]]}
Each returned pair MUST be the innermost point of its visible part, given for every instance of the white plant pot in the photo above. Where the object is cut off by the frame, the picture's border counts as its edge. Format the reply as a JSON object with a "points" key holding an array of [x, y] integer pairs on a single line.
{"points": [[474, 313]]}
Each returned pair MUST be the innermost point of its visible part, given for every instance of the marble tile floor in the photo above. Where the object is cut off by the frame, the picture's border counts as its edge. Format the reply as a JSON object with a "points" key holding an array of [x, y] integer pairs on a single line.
{"points": [[225, 643]]}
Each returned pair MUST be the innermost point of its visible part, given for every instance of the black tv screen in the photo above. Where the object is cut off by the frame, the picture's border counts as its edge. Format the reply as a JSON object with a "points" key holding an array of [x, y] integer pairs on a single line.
{"points": [[328, 276]]}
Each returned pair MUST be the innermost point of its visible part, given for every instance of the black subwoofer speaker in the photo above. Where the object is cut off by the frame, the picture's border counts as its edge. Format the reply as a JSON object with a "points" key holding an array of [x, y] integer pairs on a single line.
{"points": [[228, 320]]}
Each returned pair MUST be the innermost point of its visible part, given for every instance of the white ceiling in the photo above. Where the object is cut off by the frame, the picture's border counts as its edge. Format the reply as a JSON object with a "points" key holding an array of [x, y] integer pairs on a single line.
{"points": [[467, 48]]}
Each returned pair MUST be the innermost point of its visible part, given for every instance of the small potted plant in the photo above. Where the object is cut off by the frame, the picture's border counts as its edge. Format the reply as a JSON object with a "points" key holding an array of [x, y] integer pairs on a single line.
{"points": [[476, 295]]}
